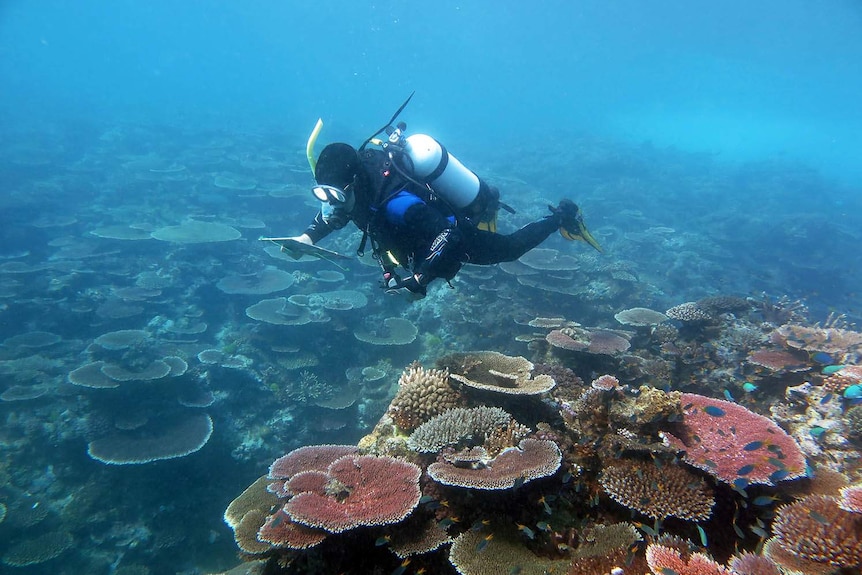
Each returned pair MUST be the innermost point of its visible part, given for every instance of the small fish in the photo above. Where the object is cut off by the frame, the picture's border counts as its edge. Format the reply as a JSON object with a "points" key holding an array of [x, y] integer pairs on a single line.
{"points": [[519, 482], [778, 475], [776, 462], [753, 446], [402, 568], [816, 431], [484, 542], [728, 396], [738, 531], [383, 540], [646, 529], [760, 532], [745, 470], [526, 531], [702, 534], [544, 501], [711, 463], [822, 358], [749, 387], [543, 525], [516, 570], [667, 571], [830, 369], [445, 523], [479, 524], [426, 499], [713, 410], [739, 484], [763, 500], [826, 399]]}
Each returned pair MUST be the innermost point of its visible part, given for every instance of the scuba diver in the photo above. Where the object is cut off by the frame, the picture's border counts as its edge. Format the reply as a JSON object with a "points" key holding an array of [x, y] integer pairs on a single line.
{"points": [[421, 209]]}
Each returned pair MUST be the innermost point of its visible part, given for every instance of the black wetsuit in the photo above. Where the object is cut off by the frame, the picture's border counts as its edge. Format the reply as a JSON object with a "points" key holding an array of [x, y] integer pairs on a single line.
{"points": [[423, 234]]}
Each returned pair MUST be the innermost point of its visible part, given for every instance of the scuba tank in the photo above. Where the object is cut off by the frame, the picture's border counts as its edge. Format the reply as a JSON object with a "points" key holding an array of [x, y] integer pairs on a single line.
{"points": [[428, 161], [424, 161]]}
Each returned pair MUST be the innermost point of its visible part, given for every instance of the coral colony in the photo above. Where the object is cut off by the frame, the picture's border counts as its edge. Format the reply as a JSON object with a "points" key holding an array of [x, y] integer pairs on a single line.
{"points": [[467, 472], [178, 397]]}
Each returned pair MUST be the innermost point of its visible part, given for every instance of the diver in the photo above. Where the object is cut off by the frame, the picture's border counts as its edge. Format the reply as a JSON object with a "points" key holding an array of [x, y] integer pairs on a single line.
{"points": [[421, 210]]}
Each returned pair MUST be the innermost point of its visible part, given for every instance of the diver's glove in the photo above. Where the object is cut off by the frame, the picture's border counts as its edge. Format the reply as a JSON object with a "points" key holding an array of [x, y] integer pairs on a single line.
{"points": [[390, 280], [571, 223], [411, 288]]}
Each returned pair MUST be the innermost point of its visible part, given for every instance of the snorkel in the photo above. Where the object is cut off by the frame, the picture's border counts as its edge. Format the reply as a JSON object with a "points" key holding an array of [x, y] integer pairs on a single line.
{"points": [[309, 146]]}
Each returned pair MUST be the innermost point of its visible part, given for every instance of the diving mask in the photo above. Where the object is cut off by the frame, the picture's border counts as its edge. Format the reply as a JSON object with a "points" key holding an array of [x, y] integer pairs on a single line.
{"points": [[336, 204], [331, 194]]}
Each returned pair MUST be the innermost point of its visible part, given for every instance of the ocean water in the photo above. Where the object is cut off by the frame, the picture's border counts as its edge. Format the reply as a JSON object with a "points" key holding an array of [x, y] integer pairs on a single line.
{"points": [[146, 146]]}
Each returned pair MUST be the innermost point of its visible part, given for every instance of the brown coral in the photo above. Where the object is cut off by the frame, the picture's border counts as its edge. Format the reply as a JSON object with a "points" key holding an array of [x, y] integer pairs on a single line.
{"points": [[827, 339], [658, 493], [494, 371], [816, 535], [422, 394]]}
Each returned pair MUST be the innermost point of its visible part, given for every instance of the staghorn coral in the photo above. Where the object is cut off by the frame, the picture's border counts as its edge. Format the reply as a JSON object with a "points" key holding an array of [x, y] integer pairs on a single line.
{"points": [[532, 459], [730, 442], [658, 493], [456, 425], [816, 535], [422, 394]]}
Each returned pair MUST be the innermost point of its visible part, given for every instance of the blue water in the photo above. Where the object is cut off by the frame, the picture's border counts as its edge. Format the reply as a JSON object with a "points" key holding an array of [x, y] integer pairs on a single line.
{"points": [[714, 148], [776, 80]]}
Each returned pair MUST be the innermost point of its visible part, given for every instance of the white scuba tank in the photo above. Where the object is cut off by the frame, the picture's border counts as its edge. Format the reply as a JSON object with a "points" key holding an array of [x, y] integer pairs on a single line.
{"points": [[449, 178]]}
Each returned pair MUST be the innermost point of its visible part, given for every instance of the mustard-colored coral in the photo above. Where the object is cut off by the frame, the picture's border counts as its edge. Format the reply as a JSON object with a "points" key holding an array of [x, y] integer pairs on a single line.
{"points": [[422, 394]]}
